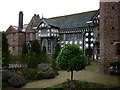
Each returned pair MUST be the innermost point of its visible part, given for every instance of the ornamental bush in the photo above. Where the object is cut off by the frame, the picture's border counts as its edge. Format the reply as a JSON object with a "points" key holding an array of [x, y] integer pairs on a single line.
{"points": [[71, 58], [29, 74], [45, 71], [17, 81], [12, 79]]}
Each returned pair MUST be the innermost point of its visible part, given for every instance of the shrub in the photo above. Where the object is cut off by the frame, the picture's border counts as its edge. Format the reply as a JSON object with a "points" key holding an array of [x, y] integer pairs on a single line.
{"points": [[25, 49], [6, 75], [17, 81], [5, 51], [29, 74], [35, 47], [33, 57], [116, 63], [15, 58], [56, 53], [44, 57], [33, 60], [45, 71], [12, 79], [115, 68]]}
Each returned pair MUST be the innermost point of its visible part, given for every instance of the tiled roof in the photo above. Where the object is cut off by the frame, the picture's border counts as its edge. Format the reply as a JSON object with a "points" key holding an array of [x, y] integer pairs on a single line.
{"points": [[50, 22], [74, 20]]}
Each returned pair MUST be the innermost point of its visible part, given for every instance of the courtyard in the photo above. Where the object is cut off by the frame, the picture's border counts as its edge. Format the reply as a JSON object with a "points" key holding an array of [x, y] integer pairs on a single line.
{"points": [[90, 74]]}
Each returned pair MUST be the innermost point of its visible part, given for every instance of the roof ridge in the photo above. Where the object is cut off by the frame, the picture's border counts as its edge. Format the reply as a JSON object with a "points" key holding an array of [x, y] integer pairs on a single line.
{"points": [[73, 14]]}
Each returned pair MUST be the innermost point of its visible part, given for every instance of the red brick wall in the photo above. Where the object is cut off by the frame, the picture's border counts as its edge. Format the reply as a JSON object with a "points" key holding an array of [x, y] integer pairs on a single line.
{"points": [[17, 43], [109, 12]]}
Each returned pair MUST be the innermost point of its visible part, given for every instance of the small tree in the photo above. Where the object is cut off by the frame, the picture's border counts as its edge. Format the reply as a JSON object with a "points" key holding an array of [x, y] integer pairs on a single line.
{"points": [[25, 49], [71, 58], [24, 56], [44, 54], [5, 50], [33, 58], [56, 53], [35, 47]]}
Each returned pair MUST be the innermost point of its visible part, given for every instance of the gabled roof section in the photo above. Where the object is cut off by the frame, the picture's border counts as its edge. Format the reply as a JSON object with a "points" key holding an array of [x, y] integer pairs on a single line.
{"points": [[49, 22], [98, 13], [12, 29], [75, 20]]}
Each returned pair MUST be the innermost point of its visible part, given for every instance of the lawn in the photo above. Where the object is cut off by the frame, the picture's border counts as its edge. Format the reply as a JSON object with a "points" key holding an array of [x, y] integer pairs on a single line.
{"points": [[82, 85]]}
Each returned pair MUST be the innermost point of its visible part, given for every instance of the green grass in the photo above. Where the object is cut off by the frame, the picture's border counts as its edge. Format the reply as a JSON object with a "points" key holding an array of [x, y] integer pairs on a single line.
{"points": [[81, 85], [58, 86]]}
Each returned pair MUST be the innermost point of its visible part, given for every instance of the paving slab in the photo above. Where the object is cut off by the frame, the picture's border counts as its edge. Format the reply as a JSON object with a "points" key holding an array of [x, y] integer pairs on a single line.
{"points": [[89, 76]]}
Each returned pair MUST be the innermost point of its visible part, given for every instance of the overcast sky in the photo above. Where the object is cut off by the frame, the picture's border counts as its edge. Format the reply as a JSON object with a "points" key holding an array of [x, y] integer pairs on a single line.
{"points": [[9, 9]]}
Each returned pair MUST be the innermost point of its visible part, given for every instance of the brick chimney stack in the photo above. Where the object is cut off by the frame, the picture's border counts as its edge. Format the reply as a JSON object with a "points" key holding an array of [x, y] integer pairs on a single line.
{"points": [[20, 23]]}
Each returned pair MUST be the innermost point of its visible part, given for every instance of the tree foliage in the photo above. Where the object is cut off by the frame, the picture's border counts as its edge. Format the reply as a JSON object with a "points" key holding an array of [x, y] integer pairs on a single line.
{"points": [[57, 50], [34, 56], [44, 56], [25, 49], [24, 55], [71, 58], [5, 50], [55, 55], [35, 47], [33, 60]]}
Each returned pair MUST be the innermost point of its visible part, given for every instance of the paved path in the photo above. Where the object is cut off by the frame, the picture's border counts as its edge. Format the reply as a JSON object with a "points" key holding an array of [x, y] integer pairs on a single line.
{"points": [[81, 75], [91, 74]]}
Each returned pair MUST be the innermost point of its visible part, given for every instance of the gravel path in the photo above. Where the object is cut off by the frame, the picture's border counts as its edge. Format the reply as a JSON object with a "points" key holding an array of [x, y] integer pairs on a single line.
{"points": [[81, 75]]}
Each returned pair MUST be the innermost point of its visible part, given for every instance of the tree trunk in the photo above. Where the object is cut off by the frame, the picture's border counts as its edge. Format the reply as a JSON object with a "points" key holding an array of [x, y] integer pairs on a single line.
{"points": [[71, 80], [71, 75]]}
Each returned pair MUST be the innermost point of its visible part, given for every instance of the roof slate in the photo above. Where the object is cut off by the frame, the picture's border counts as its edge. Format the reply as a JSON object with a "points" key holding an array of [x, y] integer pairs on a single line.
{"points": [[75, 20], [50, 22]]}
